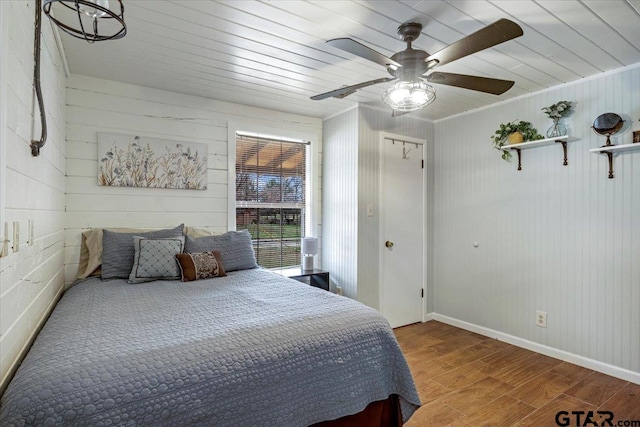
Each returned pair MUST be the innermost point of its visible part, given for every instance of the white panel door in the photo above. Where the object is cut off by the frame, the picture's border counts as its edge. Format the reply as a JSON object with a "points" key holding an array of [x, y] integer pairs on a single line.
{"points": [[402, 232]]}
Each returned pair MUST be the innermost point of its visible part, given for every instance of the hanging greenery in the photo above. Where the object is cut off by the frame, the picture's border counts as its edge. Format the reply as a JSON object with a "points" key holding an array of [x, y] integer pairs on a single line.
{"points": [[501, 136]]}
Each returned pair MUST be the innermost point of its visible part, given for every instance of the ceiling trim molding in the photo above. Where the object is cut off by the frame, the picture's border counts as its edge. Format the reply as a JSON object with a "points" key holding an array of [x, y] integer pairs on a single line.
{"points": [[386, 110], [541, 91], [331, 116]]}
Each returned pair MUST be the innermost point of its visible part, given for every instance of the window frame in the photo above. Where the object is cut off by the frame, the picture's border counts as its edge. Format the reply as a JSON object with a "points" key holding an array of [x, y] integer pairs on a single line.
{"points": [[312, 185]]}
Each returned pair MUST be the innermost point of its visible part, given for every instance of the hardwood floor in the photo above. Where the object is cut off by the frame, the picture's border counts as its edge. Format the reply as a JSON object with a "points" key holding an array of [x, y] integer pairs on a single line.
{"points": [[466, 379]]}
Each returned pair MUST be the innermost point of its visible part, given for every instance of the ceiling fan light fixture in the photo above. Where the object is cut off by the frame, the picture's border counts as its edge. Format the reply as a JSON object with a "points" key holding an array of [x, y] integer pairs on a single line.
{"points": [[94, 12], [95, 20], [409, 95]]}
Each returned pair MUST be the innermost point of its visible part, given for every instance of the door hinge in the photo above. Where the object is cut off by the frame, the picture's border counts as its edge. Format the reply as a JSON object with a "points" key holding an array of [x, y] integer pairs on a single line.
{"points": [[421, 293], [422, 164]]}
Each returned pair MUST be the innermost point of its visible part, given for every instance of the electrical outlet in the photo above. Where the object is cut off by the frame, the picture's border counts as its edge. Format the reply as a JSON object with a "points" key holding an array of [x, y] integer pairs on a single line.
{"points": [[369, 210], [338, 290], [541, 318]]}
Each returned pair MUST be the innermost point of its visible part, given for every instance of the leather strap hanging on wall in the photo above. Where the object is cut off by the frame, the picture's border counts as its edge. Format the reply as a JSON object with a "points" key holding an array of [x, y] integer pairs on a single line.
{"points": [[36, 145]]}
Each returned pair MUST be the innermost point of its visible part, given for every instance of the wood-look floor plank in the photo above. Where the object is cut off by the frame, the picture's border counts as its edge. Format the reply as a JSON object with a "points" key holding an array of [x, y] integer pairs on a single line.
{"points": [[435, 414], [456, 343], [496, 345], [476, 396], [625, 404], [571, 372], [465, 379], [542, 389], [427, 369], [464, 376], [502, 412], [506, 357], [596, 389], [519, 373], [546, 415], [429, 391], [466, 355]]}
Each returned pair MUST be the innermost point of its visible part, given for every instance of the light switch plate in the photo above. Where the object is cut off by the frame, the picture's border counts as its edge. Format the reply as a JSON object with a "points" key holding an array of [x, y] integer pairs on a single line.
{"points": [[16, 236], [30, 231], [4, 249]]}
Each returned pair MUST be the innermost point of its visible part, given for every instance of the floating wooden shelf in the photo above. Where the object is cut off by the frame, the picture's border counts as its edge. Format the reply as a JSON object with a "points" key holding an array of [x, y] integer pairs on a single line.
{"points": [[610, 150], [540, 143]]}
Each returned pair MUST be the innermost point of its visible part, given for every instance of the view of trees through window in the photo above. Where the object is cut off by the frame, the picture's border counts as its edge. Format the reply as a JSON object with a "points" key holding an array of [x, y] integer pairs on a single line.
{"points": [[270, 198]]}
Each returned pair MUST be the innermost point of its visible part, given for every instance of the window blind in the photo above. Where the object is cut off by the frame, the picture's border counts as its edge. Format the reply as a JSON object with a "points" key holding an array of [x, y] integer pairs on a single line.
{"points": [[270, 197]]}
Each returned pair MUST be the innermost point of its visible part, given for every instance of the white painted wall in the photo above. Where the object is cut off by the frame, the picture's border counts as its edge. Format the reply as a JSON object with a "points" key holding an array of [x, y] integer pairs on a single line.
{"points": [[561, 239], [96, 105], [340, 201], [350, 183], [34, 187]]}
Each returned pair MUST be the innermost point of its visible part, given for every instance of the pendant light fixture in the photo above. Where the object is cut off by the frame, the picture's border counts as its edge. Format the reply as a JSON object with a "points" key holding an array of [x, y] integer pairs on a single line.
{"points": [[95, 20]]}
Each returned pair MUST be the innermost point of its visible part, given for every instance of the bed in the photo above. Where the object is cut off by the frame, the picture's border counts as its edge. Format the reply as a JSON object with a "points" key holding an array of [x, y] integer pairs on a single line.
{"points": [[249, 349]]}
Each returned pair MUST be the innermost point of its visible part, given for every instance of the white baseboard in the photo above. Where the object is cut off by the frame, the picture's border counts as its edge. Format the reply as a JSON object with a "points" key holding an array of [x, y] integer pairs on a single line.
{"points": [[585, 362]]}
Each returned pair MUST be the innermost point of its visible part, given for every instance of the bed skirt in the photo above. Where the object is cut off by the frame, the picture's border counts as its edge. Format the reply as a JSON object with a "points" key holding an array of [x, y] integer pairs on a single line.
{"points": [[382, 413]]}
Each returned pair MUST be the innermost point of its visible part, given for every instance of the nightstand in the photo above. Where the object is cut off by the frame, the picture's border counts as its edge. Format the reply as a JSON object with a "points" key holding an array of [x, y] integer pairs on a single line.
{"points": [[315, 277]]}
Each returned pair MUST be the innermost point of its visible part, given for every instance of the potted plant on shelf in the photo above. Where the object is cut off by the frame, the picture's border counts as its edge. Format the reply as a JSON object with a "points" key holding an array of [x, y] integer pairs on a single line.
{"points": [[513, 133], [555, 112]]}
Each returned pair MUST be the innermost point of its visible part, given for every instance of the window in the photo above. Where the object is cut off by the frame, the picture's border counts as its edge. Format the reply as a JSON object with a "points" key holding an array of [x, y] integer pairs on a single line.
{"points": [[270, 197]]}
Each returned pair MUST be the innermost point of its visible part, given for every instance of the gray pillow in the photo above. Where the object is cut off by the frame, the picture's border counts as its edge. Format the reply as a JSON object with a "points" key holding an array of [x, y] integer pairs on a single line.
{"points": [[118, 251], [155, 259], [235, 249]]}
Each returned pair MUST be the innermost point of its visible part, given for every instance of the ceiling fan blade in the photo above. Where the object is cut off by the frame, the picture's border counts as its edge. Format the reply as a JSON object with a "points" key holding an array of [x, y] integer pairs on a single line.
{"points": [[481, 84], [491, 35], [358, 49], [348, 90]]}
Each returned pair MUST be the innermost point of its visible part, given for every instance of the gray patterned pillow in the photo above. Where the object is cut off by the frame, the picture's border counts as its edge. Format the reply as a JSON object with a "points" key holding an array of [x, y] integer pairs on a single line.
{"points": [[236, 250], [118, 251], [155, 259]]}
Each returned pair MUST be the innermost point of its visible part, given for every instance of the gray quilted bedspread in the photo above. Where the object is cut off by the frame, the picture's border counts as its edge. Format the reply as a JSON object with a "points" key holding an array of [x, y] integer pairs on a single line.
{"points": [[250, 349]]}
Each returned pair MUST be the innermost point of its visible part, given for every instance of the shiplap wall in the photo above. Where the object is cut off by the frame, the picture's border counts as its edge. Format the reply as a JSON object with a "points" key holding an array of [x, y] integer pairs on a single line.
{"points": [[340, 200], [561, 239], [96, 105], [350, 183], [34, 187]]}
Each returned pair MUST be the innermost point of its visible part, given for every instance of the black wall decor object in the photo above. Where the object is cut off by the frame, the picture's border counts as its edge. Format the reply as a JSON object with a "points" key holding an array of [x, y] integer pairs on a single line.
{"points": [[96, 20], [36, 145], [608, 124], [92, 11]]}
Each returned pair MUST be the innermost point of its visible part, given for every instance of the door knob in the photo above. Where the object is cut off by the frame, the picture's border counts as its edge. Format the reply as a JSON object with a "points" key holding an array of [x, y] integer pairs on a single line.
{"points": [[388, 244]]}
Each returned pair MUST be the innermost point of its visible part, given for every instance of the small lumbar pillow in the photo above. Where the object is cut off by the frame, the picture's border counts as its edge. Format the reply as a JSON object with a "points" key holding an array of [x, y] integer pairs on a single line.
{"points": [[200, 265], [118, 252], [155, 259], [236, 250]]}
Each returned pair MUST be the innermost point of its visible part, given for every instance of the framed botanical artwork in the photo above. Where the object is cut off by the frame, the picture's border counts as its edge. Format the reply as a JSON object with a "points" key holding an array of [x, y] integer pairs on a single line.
{"points": [[134, 161]]}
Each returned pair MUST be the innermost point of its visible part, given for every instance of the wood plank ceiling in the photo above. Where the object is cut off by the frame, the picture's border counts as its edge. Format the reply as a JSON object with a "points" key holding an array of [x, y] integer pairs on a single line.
{"points": [[272, 54]]}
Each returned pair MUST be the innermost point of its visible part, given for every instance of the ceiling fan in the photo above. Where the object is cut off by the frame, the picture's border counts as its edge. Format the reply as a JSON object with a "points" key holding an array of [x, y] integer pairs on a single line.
{"points": [[413, 67]]}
